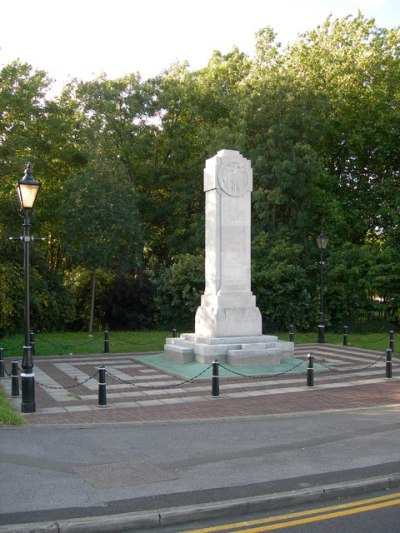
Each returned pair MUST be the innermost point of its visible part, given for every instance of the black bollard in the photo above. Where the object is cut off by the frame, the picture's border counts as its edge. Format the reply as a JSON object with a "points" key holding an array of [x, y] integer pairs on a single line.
{"points": [[174, 333], [14, 379], [215, 379], [388, 363], [345, 335], [102, 387], [32, 343], [106, 342], [391, 340], [310, 371], [1, 362], [291, 333]]}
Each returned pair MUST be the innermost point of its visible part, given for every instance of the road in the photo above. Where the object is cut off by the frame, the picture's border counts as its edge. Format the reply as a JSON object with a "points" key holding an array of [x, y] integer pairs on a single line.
{"points": [[379, 513]]}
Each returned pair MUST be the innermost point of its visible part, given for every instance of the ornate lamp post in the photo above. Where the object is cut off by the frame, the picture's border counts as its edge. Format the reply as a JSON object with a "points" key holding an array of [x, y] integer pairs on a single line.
{"points": [[322, 243], [27, 189]]}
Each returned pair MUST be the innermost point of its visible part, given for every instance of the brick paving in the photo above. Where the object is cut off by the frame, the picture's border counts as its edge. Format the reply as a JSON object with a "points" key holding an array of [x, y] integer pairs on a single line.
{"points": [[67, 389]]}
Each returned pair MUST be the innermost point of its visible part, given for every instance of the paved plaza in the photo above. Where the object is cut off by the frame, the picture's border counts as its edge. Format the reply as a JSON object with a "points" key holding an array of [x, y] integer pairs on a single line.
{"points": [[140, 388]]}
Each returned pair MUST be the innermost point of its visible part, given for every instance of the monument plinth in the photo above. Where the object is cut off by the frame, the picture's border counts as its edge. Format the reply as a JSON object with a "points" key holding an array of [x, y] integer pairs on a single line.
{"points": [[228, 324]]}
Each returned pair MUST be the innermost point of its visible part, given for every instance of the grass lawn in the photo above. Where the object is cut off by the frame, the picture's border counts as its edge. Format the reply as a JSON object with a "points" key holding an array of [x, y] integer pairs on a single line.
{"points": [[142, 341], [7, 414], [151, 341], [368, 341], [81, 343]]}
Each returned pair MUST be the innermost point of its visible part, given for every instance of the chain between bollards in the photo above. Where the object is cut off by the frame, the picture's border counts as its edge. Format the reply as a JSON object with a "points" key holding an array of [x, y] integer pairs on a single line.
{"points": [[310, 371], [215, 379], [389, 363], [102, 387]]}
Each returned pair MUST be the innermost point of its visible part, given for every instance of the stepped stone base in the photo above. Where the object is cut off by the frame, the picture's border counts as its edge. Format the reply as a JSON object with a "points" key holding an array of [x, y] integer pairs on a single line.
{"points": [[256, 350]]}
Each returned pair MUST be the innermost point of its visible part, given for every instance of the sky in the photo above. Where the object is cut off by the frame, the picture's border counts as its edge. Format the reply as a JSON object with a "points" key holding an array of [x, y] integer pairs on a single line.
{"points": [[85, 38]]}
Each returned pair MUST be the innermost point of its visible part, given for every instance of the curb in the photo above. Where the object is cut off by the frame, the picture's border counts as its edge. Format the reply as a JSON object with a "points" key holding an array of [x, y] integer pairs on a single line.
{"points": [[207, 511]]}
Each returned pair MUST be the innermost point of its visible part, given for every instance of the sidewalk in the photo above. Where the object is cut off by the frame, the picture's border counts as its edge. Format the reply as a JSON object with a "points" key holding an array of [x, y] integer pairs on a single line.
{"points": [[167, 451]]}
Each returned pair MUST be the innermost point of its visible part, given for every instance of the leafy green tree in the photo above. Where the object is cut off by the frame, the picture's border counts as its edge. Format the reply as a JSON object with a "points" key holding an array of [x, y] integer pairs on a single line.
{"points": [[117, 120], [22, 102], [198, 117], [355, 65], [102, 229], [25, 113], [21, 111], [121, 163], [292, 187], [361, 284], [178, 292], [283, 283]]}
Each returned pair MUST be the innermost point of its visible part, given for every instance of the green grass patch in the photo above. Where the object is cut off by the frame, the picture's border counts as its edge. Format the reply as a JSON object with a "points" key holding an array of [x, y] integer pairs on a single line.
{"points": [[151, 341], [81, 343], [7, 415], [368, 341]]}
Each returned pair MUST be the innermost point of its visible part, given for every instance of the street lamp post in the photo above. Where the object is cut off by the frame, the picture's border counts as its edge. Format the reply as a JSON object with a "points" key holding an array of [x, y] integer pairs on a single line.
{"points": [[27, 189], [322, 243]]}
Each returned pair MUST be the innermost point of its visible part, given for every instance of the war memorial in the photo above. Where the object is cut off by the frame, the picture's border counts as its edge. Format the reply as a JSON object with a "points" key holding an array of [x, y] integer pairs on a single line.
{"points": [[228, 324]]}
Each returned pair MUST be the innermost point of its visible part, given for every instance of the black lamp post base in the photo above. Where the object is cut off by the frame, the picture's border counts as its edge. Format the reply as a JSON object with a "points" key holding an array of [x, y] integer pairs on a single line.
{"points": [[321, 333], [28, 404]]}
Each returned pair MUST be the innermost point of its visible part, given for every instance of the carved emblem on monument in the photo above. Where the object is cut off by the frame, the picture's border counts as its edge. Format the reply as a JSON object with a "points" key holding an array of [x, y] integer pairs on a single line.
{"points": [[233, 178]]}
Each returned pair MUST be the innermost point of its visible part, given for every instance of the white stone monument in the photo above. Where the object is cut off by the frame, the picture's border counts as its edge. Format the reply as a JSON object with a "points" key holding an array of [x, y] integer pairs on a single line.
{"points": [[228, 324]]}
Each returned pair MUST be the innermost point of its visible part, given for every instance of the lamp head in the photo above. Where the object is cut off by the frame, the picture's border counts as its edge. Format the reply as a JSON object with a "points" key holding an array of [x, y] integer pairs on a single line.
{"points": [[322, 240], [27, 189]]}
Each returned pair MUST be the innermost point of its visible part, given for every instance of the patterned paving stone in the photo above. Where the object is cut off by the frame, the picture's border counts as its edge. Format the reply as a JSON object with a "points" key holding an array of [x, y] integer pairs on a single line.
{"points": [[67, 388]]}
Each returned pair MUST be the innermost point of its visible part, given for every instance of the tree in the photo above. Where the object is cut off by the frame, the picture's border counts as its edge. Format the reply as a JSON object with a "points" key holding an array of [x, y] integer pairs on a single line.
{"points": [[21, 111], [319, 121], [292, 187], [104, 209], [282, 280], [22, 102], [198, 116], [25, 137], [178, 292], [355, 65]]}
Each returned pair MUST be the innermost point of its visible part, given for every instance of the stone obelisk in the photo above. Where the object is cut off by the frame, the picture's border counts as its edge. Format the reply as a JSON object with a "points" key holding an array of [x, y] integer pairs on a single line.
{"points": [[228, 307], [228, 323]]}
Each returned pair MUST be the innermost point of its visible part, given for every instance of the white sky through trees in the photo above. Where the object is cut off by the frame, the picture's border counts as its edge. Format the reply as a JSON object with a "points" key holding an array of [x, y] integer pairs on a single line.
{"points": [[84, 38]]}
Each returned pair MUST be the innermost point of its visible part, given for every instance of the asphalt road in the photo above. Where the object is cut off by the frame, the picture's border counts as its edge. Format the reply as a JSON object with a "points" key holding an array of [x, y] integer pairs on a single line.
{"points": [[54, 473], [379, 513]]}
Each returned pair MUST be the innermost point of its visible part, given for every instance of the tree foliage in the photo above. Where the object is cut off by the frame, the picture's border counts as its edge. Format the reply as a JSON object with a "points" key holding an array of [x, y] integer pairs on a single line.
{"points": [[122, 205]]}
